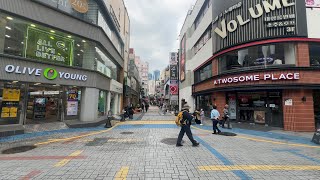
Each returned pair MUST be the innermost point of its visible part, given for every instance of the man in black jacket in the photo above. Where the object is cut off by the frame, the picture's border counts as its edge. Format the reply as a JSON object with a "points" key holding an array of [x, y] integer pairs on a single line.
{"points": [[185, 126]]}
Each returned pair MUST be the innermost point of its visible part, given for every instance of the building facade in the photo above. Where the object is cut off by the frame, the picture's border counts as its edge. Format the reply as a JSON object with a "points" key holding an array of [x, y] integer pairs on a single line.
{"points": [[133, 81], [264, 63], [143, 68], [64, 64], [195, 48]]}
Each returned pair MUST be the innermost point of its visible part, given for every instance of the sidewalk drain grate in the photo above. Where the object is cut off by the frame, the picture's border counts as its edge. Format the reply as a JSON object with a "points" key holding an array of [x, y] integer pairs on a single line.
{"points": [[126, 133], [170, 141], [227, 134], [18, 149]]}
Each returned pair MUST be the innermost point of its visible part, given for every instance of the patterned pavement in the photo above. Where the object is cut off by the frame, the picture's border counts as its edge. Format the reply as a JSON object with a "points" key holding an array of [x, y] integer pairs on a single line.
{"points": [[145, 149]]}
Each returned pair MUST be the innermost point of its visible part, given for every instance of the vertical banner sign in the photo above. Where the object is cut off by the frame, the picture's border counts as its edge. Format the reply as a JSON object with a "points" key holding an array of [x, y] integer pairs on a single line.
{"points": [[174, 87], [183, 58], [47, 46], [173, 72]]}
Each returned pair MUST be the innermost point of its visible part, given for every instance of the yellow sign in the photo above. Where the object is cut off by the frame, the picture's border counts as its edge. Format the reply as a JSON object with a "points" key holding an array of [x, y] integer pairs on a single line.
{"points": [[79, 5], [7, 112], [11, 95]]}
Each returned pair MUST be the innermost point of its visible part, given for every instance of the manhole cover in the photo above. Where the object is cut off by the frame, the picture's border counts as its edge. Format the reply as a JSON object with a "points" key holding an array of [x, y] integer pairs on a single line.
{"points": [[19, 149], [170, 141], [126, 133], [227, 134]]}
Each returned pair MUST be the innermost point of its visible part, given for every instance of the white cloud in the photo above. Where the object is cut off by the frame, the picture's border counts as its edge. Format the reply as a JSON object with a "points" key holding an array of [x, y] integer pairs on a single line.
{"points": [[155, 26]]}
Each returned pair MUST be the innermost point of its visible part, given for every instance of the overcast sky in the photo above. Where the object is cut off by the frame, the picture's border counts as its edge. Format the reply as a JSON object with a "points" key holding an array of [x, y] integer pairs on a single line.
{"points": [[155, 26]]}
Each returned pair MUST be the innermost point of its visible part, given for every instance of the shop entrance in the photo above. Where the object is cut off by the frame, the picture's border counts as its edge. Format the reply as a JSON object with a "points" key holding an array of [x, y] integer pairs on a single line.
{"points": [[44, 104], [316, 102], [263, 107]]}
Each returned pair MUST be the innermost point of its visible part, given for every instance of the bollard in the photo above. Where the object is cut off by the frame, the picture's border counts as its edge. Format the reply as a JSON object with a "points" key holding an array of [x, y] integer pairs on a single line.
{"points": [[108, 123]]}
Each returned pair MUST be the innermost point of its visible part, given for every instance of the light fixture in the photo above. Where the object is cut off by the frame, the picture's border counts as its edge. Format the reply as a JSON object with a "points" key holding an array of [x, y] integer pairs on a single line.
{"points": [[22, 42], [9, 47], [7, 36], [81, 50], [52, 31], [78, 45], [10, 18], [7, 27], [15, 81], [51, 37], [83, 41], [32, 25], [56, 85], [78, 54], [69, 36], [37, 84]]}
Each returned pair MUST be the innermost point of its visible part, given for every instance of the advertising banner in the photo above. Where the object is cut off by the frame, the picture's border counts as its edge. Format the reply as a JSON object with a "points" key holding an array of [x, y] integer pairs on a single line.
{"points": [[173, 72], [313, 3], [72, 108], [11, 95], [173, 58], [174, 87], [48, 46], [69, 6], [183, 59]]}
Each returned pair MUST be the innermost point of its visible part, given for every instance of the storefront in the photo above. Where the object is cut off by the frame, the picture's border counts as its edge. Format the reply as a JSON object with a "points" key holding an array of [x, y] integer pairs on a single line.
{"points": [[264, 66]]}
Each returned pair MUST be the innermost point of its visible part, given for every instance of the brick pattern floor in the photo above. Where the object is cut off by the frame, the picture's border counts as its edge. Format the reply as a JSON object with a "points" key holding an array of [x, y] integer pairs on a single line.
{"points": [[135, 150]]}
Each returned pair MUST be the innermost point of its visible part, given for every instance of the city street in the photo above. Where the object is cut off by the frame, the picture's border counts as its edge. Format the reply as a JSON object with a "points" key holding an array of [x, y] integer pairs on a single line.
{"points": [[145, 149]]}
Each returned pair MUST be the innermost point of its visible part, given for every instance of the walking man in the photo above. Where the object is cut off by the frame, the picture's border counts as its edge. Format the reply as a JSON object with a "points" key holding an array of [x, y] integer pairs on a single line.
{"points": [[147, 107], [142, 107], [215, 120], [185, 127]]}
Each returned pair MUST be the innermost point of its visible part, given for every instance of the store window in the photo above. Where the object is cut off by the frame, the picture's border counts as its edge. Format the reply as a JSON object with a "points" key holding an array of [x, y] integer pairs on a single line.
{"points": [[256, 57], [203, 73], [11, 102], [204, 102], [102, 104], [314, 51], [30, 40]]}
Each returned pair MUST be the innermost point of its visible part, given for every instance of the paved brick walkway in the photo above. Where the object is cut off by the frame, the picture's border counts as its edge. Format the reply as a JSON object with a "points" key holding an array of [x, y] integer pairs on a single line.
{"points": [[145, 149]]}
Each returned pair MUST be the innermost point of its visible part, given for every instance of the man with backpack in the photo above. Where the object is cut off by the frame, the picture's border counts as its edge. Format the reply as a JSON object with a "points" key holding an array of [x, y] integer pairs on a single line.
{"points": [[184, 120]]}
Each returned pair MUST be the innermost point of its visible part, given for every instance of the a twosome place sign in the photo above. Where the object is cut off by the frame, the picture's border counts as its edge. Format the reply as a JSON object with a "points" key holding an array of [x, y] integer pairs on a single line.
{"points": [[257, 77], [48, 73]]}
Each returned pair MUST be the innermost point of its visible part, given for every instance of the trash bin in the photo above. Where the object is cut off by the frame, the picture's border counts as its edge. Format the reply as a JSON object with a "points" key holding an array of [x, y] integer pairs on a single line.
{"points": [[316, 137]]}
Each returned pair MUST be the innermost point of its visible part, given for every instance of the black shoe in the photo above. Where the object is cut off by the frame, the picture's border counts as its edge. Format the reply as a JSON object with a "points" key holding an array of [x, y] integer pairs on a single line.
{"points": [[214, 133], [178, 145], [195, 144], [219, 132]]}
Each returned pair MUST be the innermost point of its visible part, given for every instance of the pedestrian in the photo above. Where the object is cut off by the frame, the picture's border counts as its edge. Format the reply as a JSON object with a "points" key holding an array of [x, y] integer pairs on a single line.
{"points": [[142, 107], [226, 116], [131, 112], [215, 119], [147, 107], [185, 126], [201, 117], [164, 108]]}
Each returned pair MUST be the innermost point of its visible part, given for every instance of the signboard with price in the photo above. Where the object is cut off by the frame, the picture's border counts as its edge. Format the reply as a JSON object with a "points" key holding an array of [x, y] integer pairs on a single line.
{"points": [[73, 95]]}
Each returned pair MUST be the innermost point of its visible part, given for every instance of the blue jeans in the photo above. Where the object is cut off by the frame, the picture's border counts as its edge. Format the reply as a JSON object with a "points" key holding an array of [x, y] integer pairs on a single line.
{"points": [[185, 129], [215, 126]]}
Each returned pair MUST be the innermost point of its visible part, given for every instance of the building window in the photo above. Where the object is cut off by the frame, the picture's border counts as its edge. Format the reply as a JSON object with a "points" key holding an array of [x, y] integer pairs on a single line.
{"points": [[202, 40], [314, 51], [33, 41], [203, 73], [258, 57], [202, 12], [102, 104]]}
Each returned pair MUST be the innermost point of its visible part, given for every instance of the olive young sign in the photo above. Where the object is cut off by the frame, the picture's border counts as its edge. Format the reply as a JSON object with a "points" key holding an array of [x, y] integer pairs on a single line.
{"points": [[257, 77], [48, 73], [252, 20], [50, 47]]}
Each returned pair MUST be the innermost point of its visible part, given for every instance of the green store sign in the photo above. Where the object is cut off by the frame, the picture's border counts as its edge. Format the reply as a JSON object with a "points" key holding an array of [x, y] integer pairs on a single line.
{"points": [[50, 73], [50, 47]]}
